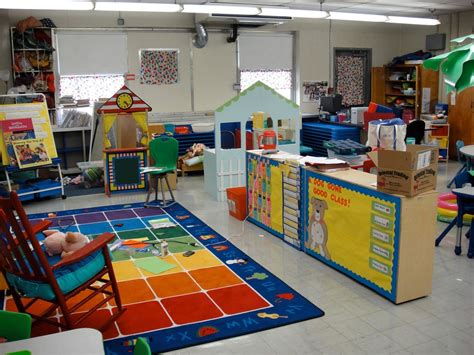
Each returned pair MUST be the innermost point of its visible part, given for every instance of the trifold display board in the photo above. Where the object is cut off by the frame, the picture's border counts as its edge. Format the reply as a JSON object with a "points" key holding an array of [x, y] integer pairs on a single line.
{"points": [[273, 197], [383, 241]]}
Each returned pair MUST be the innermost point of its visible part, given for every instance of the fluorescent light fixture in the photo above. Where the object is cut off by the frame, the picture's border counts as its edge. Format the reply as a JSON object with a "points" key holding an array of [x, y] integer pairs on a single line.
{"points": [[347, 16], [413, 20], [137, 7], [46, 4], [221, 9], [275, 11]]}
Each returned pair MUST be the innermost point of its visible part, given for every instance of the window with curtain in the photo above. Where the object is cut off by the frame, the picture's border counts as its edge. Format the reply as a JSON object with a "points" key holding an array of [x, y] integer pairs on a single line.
{"points": [[91, 64], [269, 59]]}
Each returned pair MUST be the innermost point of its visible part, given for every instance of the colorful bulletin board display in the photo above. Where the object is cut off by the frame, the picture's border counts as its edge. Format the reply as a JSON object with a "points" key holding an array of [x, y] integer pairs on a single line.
{"points": [[373, 237], [368, 252], [38, 113], [273, 201], [125, 152], [218, 292], [123, 170], [225, 168]]}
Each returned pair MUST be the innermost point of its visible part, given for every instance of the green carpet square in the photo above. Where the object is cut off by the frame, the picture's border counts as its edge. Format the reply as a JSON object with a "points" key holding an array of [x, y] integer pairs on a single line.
{"points": [[181, 248], [173, 232], [137, 234]]}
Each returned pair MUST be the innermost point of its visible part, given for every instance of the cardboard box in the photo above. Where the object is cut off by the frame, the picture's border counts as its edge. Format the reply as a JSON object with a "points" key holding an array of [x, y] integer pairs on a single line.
{"points": [[406, 173]]}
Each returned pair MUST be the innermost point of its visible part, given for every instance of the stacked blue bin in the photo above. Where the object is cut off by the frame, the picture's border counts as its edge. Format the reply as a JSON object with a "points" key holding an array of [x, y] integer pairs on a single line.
{"points": [[314, 134]]}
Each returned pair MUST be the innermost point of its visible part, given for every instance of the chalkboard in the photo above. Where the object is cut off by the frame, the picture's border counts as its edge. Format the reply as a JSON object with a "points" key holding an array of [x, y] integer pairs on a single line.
{"points": [[126, 170]]}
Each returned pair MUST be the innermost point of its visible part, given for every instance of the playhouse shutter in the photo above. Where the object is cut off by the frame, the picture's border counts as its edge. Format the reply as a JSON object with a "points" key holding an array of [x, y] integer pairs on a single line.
{"points": [[92, 52]]}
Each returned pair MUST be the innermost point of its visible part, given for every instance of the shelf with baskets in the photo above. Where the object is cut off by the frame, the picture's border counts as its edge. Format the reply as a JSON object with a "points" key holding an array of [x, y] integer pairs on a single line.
{"points": [[439, 135], [33, 62], [401, 87]]}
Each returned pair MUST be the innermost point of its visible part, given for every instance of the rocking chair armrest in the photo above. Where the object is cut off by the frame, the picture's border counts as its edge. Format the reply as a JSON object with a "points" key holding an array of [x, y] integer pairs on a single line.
{"points": [[41, 226], [95, 245]]}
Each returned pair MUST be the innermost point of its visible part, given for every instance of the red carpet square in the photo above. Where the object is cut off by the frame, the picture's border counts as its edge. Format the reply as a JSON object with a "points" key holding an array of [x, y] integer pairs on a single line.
{"points": [[191, 308], [96, 320], [215, 277], [143, 317], [237, 299], [172, 285]]}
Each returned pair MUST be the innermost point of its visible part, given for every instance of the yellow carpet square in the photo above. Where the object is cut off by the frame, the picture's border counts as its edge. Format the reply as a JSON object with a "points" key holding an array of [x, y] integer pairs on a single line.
{"points": [[126, 270], [201, 258], [169, 259]]}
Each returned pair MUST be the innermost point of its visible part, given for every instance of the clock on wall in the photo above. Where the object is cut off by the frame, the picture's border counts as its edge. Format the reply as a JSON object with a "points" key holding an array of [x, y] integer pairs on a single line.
{"points": [[124, 101]]}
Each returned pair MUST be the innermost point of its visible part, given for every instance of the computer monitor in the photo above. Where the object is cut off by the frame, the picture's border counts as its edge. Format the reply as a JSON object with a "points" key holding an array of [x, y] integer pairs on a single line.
{"points": [[331, 104]]}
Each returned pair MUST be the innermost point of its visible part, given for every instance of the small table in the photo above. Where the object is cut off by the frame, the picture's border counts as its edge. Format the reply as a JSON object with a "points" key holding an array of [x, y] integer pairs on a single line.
{"points": [[468, 151], [465, 200], [72, 342]]}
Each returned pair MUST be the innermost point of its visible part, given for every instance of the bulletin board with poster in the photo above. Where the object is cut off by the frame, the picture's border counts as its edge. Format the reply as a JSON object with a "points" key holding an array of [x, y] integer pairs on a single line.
{"points": [[353, 229], [33, 116]]}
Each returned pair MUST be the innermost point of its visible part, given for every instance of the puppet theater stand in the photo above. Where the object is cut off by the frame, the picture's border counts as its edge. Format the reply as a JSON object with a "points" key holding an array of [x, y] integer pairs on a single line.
{"points": [[125, 153], [224, 168], [342, 220]]}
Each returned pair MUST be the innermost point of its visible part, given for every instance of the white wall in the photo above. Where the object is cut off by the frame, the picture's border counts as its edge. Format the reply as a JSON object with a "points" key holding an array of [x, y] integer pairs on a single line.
{"points": [[213, 69]]}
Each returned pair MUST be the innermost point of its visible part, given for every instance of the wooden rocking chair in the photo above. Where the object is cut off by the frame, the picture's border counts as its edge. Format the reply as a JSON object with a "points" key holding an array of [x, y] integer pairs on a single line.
{"points": [[31, 274]]}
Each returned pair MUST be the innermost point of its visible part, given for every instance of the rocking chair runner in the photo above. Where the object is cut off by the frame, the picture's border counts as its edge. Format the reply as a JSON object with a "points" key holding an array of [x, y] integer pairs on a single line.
{"points": [[31, 274]]}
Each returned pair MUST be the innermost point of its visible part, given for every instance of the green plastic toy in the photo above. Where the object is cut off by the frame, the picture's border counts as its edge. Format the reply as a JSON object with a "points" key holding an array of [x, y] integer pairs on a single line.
{"points": [[15, 326]]}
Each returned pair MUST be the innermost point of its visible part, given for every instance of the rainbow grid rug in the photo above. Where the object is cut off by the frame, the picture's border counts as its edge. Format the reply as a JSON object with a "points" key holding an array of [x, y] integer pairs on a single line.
{"points": [[216, 293]]}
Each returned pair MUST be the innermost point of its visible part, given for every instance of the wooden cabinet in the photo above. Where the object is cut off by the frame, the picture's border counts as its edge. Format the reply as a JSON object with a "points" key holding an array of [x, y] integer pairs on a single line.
{"points": [[461, 119], [401, 86]]}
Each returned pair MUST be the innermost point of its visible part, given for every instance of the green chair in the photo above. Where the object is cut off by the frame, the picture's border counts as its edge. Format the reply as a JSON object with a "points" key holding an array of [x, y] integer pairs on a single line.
{"points": [[164, 154], [142, 347], [15, 326]]}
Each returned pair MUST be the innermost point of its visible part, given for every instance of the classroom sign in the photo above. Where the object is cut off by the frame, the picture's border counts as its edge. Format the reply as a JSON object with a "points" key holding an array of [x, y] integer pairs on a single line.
{"points": [[354, 229]]}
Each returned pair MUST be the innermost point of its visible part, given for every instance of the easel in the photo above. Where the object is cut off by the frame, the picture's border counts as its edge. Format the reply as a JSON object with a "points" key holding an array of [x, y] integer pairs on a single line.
{"points": [[55, 161]]}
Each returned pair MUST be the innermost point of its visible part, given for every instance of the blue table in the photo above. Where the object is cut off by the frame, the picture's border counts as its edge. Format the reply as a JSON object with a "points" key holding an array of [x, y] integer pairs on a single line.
{"points": [[465, 200]]}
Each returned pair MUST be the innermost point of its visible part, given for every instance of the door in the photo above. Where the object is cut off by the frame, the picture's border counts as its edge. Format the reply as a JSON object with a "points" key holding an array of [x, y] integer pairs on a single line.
{"points": [[352, 75]]}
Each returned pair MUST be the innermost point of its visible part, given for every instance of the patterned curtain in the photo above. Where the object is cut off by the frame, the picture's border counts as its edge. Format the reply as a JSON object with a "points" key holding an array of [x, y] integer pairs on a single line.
{"points": [[350, 79]]}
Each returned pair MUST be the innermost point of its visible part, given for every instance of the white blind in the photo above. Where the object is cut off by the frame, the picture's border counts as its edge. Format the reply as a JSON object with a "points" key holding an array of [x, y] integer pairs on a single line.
{"points": [[91, 52], [260, 51]]}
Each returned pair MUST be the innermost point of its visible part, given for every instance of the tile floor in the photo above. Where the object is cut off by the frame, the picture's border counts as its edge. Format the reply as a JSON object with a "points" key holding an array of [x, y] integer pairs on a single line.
{"points": [[357, 320]]}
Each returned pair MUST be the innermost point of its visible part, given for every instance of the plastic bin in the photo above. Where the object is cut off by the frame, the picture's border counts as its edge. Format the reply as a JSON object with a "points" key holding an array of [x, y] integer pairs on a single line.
{"points": [[93, 173], [47, 184], [237, 202], [22, 189]]}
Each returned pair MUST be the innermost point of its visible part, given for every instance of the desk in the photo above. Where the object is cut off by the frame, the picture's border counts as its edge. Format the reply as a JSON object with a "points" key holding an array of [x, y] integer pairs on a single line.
{"points": [[83, 341]]}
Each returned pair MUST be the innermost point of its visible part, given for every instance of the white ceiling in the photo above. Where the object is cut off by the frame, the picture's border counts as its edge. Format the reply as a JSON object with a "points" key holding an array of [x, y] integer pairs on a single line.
{"points": [[418, 8]]}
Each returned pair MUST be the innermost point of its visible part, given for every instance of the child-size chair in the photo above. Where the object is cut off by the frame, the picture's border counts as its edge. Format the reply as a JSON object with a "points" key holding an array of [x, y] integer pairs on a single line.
{"points": [[462, 159], [15, 326], [164, 153]]}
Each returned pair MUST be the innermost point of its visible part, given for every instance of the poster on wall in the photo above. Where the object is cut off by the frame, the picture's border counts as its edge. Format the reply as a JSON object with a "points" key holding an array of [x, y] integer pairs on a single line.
{"points": [[158, 66], [313, 90], [333, 209]]}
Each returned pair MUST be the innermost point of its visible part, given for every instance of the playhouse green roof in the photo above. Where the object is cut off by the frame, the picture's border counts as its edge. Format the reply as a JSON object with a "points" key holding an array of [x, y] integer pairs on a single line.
{"points": [[251, 89]]}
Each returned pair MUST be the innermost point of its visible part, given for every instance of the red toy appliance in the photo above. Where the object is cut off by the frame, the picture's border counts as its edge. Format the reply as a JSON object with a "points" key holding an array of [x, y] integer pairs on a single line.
{"points": [[268, 141]]}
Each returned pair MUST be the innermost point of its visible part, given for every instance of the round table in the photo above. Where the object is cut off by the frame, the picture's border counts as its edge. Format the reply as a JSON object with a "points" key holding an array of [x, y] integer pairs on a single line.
{"points": [[468, 151]]}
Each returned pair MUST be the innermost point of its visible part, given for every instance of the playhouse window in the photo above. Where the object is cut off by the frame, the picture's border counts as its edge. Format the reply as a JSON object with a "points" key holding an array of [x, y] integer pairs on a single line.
{"points": [[281, 80], [286, 131], [90, 87]]}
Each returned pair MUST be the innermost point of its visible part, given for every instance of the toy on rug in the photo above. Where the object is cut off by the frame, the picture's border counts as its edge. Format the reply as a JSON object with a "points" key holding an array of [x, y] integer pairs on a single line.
{"points": [[57, 242]]}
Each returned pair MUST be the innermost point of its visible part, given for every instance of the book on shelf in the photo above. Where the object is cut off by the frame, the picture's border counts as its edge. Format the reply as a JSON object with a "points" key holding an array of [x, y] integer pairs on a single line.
{"points": [[15, 130]]}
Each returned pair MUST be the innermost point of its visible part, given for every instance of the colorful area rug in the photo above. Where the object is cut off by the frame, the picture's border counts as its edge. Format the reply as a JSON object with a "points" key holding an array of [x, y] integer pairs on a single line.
{"points": [[178, 301]]}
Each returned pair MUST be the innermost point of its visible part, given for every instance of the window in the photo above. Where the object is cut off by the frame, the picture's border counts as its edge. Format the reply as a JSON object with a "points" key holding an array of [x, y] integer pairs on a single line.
{"points": [[280, 80], [90, 86], [267, 58]]}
